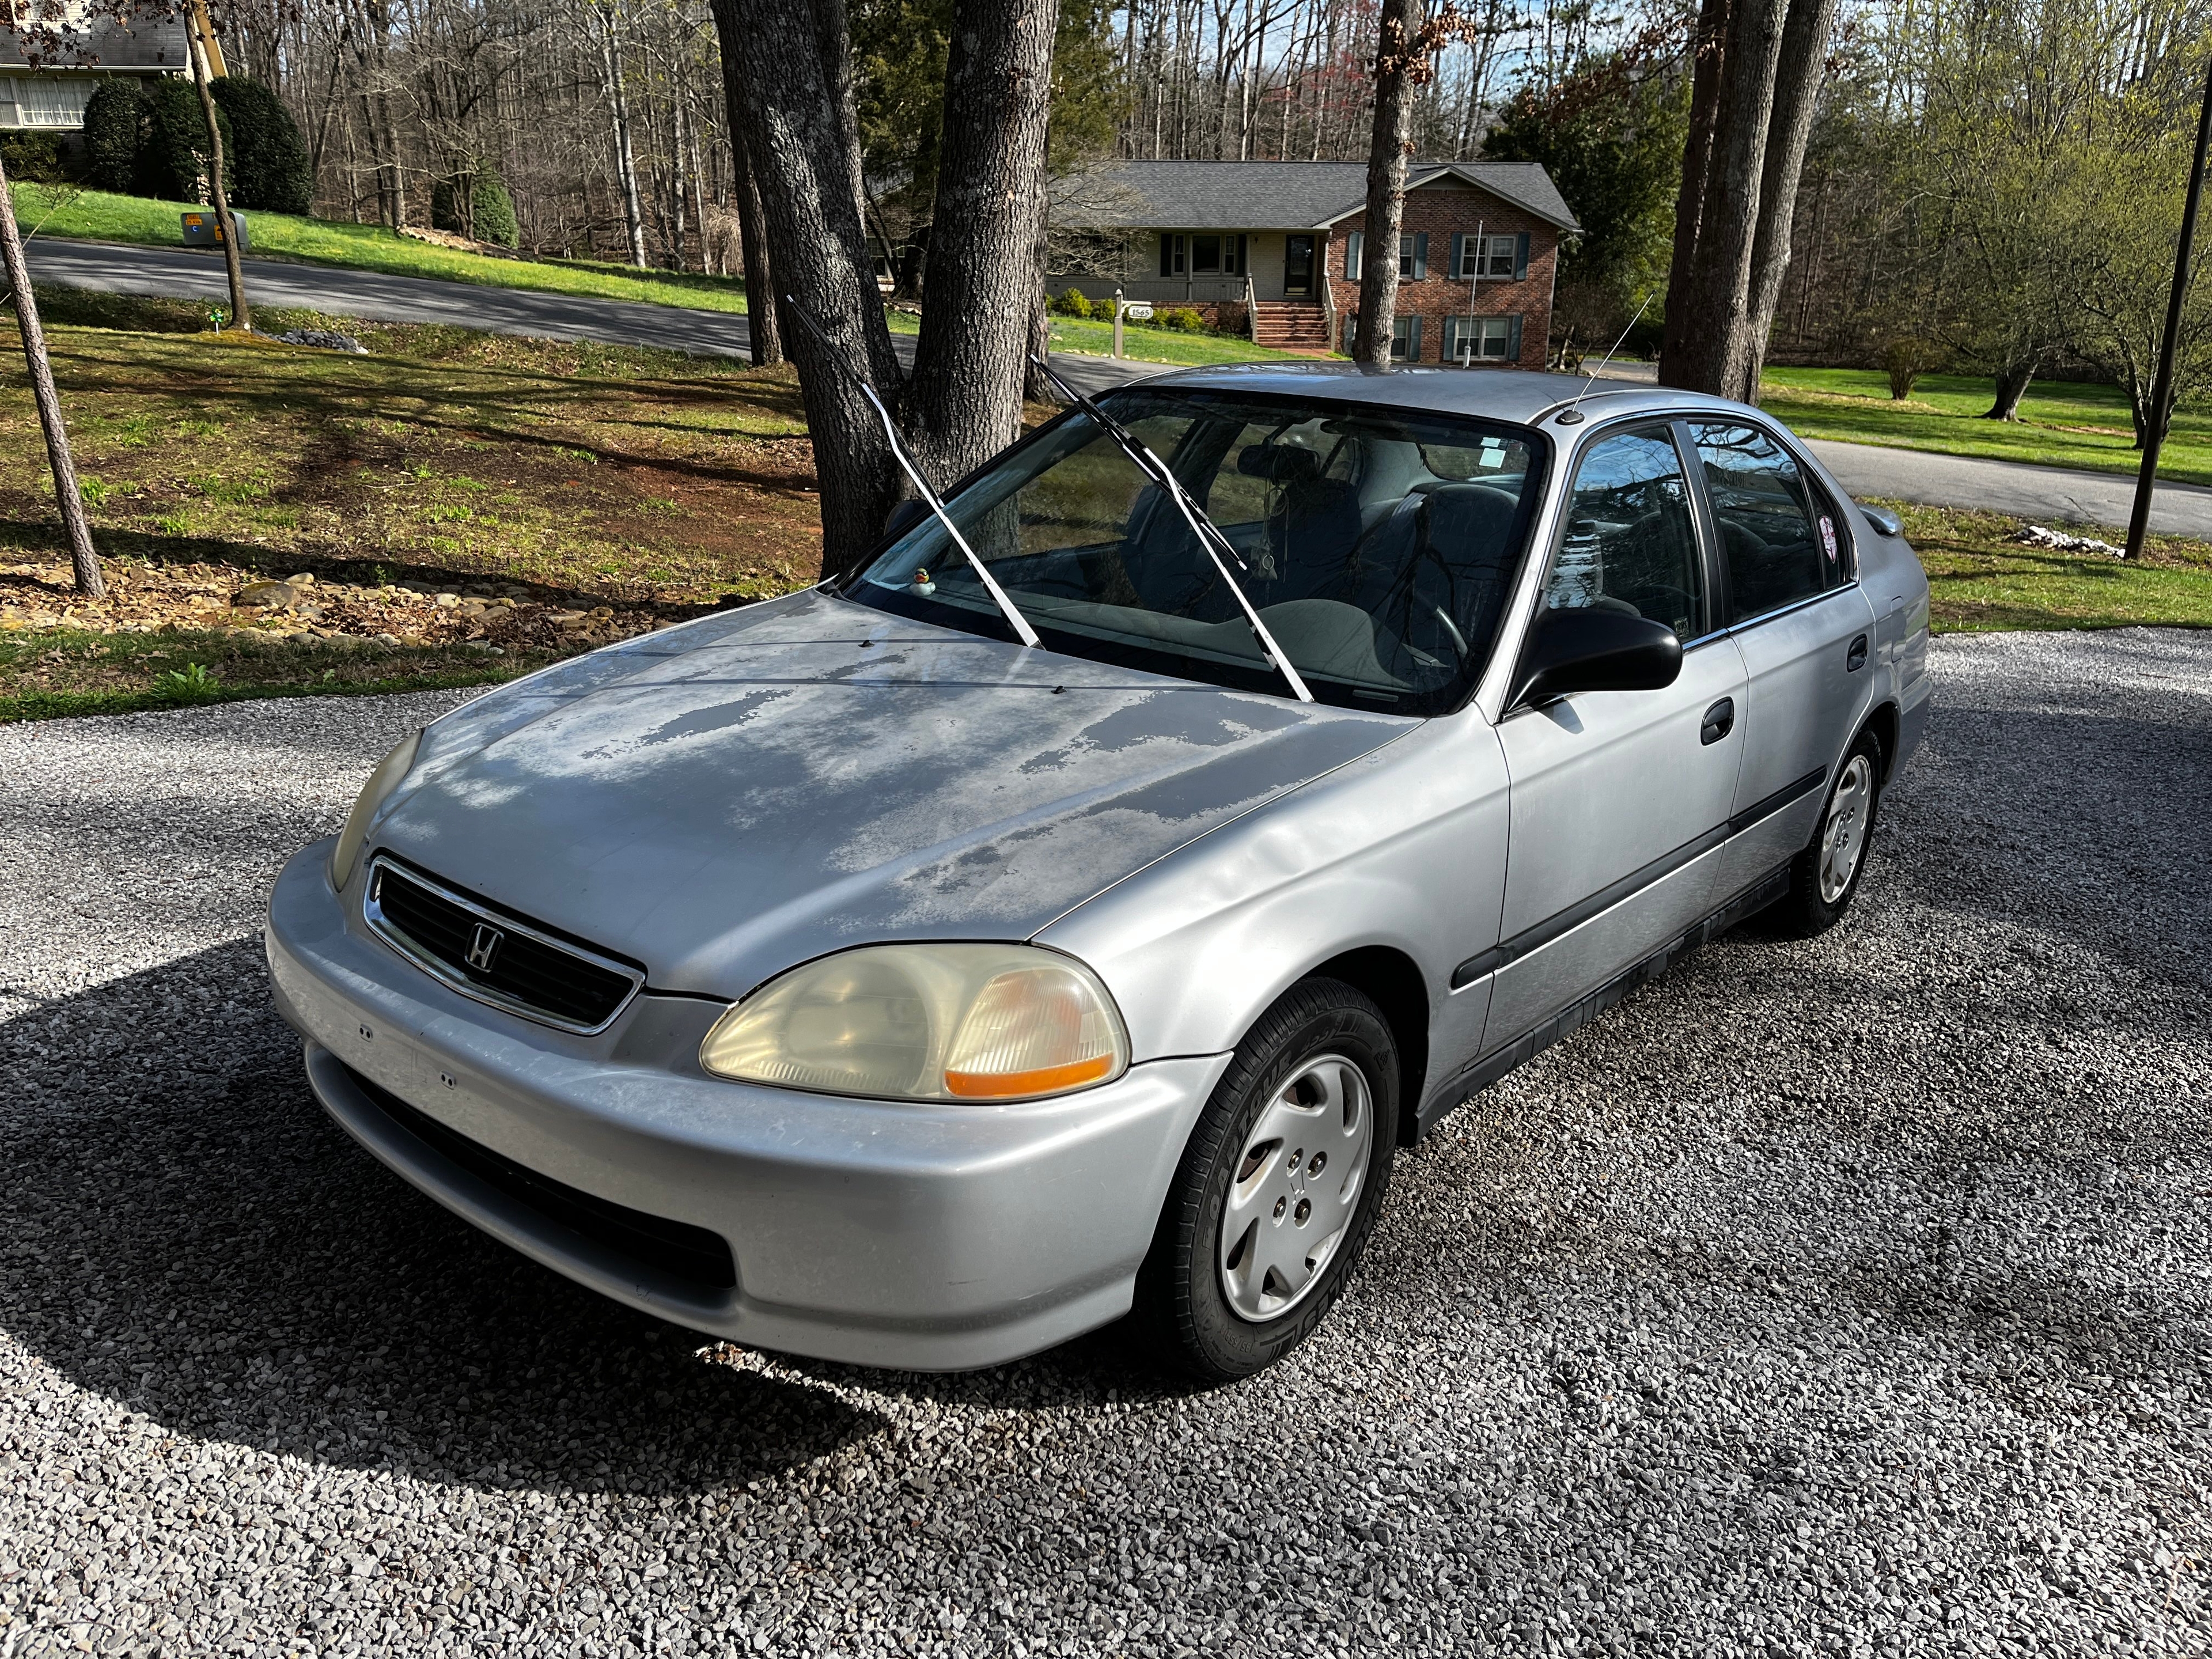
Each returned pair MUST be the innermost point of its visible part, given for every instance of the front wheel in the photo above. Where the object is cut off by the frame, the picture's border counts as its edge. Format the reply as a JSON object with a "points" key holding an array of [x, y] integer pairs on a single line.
{"points": [[1825, 875], [1279, 1186]]}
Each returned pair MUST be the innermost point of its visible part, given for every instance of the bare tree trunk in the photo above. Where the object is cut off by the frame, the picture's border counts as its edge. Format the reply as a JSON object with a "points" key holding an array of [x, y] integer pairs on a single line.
{"points": [[679, 207], [241, 315], [969, 365], [1797, 90], [625, 157], [803, 150], [764, 323], [2012, 385], [1386, 178], [66, 497], [1709, 303], [1709, 47]]}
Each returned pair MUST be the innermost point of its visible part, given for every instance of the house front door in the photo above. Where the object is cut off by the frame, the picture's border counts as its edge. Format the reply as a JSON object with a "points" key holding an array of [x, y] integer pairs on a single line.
{"points": [[1298, 264]]}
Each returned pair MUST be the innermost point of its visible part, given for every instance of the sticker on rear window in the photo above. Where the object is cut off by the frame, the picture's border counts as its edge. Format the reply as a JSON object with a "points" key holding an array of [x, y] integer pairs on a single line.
{"points": [[1828, 537]]}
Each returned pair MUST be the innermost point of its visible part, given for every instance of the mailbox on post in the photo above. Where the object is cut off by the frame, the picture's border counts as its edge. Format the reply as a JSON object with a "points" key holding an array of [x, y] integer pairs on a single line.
{"points": [[205, 229]]}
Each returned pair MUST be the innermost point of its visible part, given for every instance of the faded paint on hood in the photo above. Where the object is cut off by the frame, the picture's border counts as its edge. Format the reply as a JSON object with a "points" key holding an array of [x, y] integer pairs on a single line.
{"points": [[723, 800]]}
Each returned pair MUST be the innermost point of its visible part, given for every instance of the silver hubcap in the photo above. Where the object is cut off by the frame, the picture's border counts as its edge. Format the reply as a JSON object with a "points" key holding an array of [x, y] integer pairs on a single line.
{"points": [[1843, 837], [1296, 1187]]}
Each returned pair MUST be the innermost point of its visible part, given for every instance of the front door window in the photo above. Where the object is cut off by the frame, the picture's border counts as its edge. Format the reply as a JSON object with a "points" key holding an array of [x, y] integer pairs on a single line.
{"points": [[1298, 264], [1630, 543]]}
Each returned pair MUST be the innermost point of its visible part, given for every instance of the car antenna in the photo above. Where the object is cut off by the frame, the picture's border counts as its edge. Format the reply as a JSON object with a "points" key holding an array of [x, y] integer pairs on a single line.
{"points": [[1571, 415], [1023, 631], [1209, 536]]}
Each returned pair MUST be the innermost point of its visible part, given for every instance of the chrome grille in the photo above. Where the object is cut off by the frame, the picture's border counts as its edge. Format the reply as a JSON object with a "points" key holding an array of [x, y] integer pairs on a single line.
{"points": [[494, 957]]}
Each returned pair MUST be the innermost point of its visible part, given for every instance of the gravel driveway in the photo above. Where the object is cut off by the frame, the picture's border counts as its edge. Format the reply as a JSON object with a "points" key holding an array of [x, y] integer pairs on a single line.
{"points": [[1841, 1297]]}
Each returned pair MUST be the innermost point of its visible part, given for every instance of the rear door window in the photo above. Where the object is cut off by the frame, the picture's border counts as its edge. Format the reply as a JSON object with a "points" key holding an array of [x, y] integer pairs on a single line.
{"points": [[1778, 539]]}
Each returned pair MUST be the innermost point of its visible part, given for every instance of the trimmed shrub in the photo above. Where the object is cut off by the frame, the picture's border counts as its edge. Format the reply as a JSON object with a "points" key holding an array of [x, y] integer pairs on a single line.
{"points": [[1905, 360], [33, 158], [495, 209], [1075, 303], [114, 131], [172, 161], [475, 205], [1184, 319], [262, 146]]}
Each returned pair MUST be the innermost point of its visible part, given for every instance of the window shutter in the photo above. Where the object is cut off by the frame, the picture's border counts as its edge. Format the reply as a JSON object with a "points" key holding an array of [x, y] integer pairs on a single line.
{"points": [[1243, 254], [1420, 259], [1513, 338], [1521, 257], [1414, 331], [1459, 256], [1352, 255]]}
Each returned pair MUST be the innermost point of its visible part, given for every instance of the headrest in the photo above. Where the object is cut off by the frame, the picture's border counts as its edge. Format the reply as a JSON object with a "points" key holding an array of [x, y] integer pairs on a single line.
{"points": [[1461, 514], [1282, 463]]}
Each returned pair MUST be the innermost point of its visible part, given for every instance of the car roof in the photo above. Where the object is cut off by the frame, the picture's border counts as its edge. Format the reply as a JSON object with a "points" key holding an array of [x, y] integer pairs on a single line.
{"points": [[1496, 394]]}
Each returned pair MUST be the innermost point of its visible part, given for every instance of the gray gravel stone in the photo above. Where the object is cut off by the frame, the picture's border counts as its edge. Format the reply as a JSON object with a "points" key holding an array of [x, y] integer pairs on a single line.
{"points": [[1842, 1298]]}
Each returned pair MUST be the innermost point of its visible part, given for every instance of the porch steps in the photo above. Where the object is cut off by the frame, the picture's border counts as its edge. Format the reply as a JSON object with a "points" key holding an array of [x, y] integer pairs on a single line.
{"points": [[1290, 324]]}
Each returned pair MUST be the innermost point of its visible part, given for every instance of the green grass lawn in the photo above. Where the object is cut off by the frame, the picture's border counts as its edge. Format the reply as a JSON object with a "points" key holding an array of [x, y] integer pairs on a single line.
{"points": [[2063, 423], [1979, 581], [1158, 345], [55, 211], [59, 211]]}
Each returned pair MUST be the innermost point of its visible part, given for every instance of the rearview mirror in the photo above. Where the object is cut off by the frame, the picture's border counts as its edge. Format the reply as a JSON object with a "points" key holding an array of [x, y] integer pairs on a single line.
{"points": [[903, 517], [1595, 650]]}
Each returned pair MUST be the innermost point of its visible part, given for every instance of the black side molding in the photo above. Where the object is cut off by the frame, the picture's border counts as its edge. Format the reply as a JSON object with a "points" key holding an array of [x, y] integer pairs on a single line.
{"points": [[1535, 938], [1768, 805], [1526, 1046]]}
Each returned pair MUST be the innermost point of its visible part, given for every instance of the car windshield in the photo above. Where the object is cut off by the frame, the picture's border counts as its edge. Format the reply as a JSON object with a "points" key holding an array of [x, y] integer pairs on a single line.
{"points": [[1377, 544]]}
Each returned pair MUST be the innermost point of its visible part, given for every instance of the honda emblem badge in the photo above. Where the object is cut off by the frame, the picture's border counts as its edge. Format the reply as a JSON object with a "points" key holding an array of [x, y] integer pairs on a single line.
{"points": [[484, 946]]}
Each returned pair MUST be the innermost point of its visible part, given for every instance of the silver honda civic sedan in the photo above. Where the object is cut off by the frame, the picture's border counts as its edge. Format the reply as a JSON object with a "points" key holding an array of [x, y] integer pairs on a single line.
{"points": [[1069, 917]]}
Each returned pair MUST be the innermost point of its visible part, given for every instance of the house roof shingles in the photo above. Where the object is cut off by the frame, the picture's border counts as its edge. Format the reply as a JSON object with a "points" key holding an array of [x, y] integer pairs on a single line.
{"points": [[92, 42], [1281, 195]]}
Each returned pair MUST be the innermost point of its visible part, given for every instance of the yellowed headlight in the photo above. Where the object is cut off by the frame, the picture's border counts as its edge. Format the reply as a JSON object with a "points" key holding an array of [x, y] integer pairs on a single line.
{"points": [[926, 1022], [389, 772]]}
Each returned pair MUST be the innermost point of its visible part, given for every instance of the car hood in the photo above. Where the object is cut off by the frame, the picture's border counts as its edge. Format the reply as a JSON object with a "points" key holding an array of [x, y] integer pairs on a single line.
{"points": [[722, 800]]}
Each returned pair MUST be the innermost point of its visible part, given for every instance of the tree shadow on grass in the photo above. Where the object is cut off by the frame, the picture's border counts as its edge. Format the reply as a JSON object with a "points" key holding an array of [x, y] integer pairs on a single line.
{"points": [[187, 1233]]}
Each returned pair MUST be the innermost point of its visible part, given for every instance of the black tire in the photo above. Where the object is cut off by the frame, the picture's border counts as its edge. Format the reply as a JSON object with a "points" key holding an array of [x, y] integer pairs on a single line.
{"points": [[1183, 1299], [1810, 907]]}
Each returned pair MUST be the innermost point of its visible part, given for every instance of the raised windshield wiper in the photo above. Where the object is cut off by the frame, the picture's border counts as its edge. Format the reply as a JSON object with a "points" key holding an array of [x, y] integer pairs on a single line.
{"points": [[1020, 623], [1209, 535]]}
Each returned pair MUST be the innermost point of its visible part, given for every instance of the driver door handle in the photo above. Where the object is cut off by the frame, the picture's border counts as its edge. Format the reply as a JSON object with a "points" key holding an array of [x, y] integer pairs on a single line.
{"points": [[1720, 721]]}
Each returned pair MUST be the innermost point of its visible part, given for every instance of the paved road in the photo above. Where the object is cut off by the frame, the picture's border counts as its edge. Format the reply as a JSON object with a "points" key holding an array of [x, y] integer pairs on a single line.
{"points": [[1833, 1297], [2044, 493], [180, 273]]}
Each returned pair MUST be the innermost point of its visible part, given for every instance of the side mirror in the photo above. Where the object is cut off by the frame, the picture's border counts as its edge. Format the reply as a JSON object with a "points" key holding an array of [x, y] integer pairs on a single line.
{"points": [[902, 518], [1882, 520], [1595, 650]]}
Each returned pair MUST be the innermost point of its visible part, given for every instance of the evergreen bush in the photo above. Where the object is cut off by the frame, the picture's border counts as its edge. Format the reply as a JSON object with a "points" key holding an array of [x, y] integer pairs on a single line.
{"points": [[490, 211], [33, 158], [262, 146], [1076, 303], [495, 209], [114, 131], [172, 161]]}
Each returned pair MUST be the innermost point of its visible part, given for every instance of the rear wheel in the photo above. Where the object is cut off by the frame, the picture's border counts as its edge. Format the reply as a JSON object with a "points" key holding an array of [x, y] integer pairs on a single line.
{"points": [[1279, 1186], [1825, 875]]}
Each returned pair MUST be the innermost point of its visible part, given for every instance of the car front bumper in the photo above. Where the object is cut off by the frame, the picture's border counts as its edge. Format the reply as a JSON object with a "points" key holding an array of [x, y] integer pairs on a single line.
{"points": [[883, 1233]]}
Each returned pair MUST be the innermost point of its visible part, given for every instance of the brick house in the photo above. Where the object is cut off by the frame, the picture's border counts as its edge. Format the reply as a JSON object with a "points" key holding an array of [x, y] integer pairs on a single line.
{"points": [[1277, 246]]}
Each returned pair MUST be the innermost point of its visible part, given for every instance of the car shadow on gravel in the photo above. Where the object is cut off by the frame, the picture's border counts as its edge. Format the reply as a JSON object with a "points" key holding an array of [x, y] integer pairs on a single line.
{"points": [[183, 1230]]}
